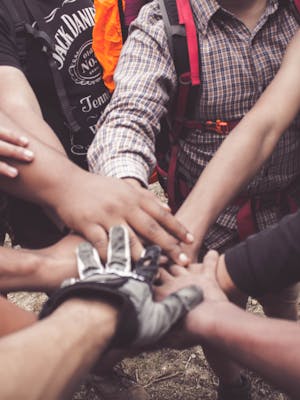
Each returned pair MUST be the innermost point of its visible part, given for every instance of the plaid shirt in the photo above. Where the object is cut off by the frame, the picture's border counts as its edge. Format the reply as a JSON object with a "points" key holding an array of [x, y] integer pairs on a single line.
{"points": [[236, 67]]}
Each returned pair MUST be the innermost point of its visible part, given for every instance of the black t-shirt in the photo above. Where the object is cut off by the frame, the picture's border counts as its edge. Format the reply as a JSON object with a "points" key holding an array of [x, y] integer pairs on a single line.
{"points": [[69, 24], [269, 260]]}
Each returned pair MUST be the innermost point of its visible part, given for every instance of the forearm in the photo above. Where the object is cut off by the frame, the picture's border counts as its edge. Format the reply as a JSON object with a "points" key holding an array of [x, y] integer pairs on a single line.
{"points": [[60, 350], [246, 148], [43, 180], [268, 346], [234, 164], [125, 143], [267, 261], [38, 270], [21, 108]]}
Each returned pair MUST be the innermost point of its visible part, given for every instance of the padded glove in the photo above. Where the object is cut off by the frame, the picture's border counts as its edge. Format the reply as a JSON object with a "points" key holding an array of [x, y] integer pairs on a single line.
{"points": [[142, 321]]}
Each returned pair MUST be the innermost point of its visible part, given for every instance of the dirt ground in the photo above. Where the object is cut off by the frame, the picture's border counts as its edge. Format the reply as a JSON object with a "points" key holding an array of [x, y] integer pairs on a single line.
{"points": [[165, 374]]}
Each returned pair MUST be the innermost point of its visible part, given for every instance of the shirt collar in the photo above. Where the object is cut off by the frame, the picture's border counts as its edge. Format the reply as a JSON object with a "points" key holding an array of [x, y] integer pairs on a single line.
{"points": [[204, 10]]}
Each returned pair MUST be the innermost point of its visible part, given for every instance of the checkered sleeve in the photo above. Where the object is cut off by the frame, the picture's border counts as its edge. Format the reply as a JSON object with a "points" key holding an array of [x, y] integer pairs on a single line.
{"points": [[145, 84]]}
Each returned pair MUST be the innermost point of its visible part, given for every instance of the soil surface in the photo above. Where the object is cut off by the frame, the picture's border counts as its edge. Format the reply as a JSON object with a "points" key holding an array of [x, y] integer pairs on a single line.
{"points": [[165, 374]]}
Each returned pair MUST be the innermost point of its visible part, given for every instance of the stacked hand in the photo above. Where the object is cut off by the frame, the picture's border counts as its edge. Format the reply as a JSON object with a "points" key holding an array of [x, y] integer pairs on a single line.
{"points": [[90, 204], [142, 321], [198, 322]]}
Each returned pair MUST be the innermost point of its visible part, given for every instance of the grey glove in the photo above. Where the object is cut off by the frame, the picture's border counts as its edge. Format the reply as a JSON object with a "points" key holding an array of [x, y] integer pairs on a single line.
{"points": [[142, 320]]}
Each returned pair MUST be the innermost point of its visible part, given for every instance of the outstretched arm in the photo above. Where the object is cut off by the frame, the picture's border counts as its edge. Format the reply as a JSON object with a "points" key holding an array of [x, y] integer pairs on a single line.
{"points": [[60, 350], [91, 204], [19, 103], [245, 150], [38, 270], [268, 346]]}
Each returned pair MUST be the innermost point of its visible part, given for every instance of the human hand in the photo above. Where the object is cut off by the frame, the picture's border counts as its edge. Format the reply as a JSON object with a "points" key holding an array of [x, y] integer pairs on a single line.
{"points": [[13, 147], [199, 320], [203, 275], [141, 320], [91, 204]]}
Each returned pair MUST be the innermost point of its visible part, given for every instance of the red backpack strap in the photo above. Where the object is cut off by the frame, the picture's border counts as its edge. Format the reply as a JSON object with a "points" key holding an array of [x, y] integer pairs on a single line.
{"points": [[186, 18], [183, 44], [182, 37]]}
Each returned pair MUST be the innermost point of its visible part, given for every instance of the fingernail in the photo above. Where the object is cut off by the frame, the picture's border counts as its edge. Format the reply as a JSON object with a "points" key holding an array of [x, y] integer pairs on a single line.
{"points": [[183, 258], [24, 140], [28, 153], [12, 171], [190, 238]]}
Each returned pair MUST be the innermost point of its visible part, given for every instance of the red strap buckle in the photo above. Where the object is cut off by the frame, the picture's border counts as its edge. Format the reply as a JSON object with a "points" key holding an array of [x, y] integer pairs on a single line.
{"points": [[218, 126]]}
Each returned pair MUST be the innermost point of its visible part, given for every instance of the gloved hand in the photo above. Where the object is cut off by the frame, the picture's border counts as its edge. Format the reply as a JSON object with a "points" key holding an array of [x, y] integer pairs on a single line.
{"points": [[142, 321]]}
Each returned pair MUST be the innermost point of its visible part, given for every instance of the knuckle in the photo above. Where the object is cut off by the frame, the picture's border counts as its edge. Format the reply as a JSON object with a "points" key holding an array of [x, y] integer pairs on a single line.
{"points": [[133, 241], [100, 243], [172, 247], [12, 151], [153, 229], [165, 215]]}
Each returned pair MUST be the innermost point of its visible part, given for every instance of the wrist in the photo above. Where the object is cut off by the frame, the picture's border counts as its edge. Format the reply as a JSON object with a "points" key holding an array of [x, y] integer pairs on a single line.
{"points": [[65, 190], [99, 317], [134, 182], [202, 323], [197, 226], [224, 279]]}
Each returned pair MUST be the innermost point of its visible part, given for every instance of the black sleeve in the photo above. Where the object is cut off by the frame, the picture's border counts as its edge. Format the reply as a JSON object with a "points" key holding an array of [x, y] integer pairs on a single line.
{"points": [[8, 48], [269, 260]]}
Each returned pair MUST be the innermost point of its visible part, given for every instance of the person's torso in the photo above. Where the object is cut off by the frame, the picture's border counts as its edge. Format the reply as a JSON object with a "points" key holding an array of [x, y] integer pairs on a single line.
{"points": [[236, 67], [69, 24]]}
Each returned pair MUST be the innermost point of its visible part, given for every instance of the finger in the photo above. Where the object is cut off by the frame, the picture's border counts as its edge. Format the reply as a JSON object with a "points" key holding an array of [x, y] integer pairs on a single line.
{"points": [[118, 253], [160, 203], [210, 262], [96, 235], [195, 268], [136, 247], [170, 310], [167, 220], [189, 297], [88, 260], [147, 265], [11, 137], [15, 152], [164, 276], [163, 260], [158, 293], [8, 170], [177, 270], [152, 231]]}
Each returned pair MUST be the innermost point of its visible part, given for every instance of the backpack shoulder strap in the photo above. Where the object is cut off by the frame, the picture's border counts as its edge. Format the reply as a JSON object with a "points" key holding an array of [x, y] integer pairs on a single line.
{"points": [[124, 27], [41, 35], [20, 20], [295, 5], [182, 37]]}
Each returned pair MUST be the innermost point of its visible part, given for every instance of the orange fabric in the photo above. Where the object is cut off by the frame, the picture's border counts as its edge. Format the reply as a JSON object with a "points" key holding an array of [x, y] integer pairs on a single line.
{"points": [[107, 38]]}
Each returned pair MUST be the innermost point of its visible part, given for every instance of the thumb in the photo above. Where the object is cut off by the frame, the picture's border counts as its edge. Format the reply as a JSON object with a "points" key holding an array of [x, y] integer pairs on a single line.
{"points": [[181, 302], [164, 314], [210, 262]]}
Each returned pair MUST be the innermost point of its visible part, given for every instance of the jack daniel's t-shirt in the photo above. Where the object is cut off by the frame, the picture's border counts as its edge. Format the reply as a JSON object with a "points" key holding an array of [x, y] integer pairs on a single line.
{"points": [[69, 24]]}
